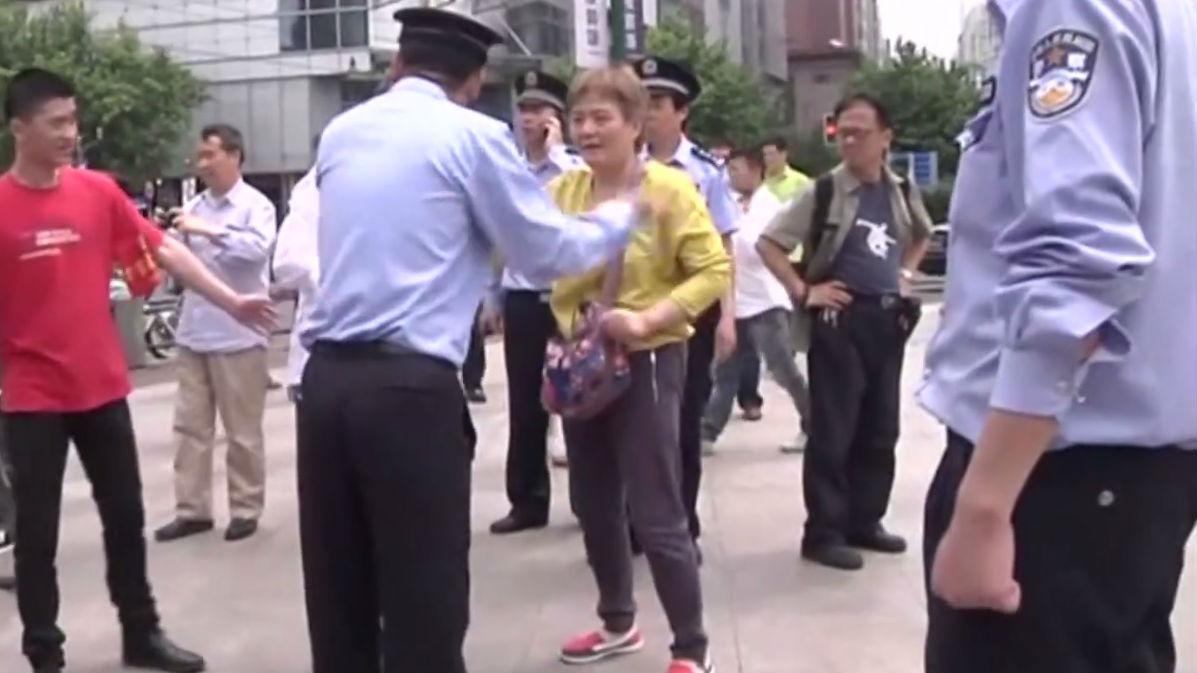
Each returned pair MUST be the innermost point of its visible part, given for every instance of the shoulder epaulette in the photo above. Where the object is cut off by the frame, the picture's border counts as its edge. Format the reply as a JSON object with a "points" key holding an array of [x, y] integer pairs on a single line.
{"points": [[706, 156]]}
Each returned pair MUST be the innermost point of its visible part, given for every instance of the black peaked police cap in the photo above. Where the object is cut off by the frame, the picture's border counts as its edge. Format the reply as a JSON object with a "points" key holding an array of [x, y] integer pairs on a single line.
{"points": [[444, 27], [663, 74], [535, 86]]}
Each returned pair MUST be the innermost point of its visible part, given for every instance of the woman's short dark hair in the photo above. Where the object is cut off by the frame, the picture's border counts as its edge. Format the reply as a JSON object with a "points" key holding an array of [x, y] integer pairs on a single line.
{"points": [[883, 117]]}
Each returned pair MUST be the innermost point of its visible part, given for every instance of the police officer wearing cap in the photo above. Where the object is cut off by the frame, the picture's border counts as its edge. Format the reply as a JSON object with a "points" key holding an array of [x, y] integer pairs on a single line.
{"points": [[526, 318], [1065, 367], [416, 192], [674, 89]]}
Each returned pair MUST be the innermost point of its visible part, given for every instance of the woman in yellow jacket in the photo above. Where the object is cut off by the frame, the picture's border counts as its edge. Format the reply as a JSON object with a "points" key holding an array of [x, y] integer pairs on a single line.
{"points": [[626, 460]]}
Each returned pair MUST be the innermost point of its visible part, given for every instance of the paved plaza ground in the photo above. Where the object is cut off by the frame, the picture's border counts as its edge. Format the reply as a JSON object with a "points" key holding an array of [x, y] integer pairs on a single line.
{"points": [[768, 612]]}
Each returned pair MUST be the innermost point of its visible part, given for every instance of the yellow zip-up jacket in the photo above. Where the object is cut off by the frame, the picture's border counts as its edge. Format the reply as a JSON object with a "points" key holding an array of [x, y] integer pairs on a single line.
{"points": [[680, 257]]}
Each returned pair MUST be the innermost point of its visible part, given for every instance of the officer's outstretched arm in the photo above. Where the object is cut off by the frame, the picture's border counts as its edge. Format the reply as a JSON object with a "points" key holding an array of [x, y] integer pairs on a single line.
{"points": [[1077, 255], [534, 236]]}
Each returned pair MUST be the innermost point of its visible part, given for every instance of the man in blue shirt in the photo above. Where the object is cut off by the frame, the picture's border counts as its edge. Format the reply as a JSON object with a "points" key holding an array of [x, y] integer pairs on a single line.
{"points": [[222, 364], [416, 193], [1066, 365], [674, 88], [527, 321]]}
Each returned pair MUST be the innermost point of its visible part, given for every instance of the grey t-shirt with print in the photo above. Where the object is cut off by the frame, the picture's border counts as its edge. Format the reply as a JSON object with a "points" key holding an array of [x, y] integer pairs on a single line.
{"points": [[871, 259]]}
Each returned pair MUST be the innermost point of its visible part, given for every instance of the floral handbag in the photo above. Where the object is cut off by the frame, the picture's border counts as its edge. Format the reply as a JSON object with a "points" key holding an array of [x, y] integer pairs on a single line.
{"points": [[585, 374]]}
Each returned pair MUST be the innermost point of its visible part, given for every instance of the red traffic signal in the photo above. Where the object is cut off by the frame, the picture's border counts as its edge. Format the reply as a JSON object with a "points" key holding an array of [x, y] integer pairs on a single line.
{"points": [[830, 129]]}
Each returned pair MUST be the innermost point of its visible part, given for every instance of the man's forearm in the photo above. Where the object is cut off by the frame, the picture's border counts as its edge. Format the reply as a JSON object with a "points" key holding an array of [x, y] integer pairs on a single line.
{"points": [[1009, 448], [186, 267], [913, 257], [777, 261]]}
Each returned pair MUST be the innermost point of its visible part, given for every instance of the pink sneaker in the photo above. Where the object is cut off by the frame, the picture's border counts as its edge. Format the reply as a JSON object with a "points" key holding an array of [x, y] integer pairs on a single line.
{"points": [[596, 646], [689, 666]]}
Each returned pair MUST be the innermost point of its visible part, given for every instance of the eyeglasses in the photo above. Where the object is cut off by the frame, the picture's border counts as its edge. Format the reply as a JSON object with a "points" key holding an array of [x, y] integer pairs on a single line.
{"points": [[855, 134]]}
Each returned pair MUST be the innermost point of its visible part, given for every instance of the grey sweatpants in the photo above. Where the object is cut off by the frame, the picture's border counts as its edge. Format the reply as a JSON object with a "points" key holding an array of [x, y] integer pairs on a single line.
{"points": [[627, 460]]}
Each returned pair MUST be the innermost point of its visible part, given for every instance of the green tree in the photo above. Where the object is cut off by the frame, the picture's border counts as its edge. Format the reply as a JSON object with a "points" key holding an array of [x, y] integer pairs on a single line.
{"points": [[734, 105], [930, 100], [135, 103]]}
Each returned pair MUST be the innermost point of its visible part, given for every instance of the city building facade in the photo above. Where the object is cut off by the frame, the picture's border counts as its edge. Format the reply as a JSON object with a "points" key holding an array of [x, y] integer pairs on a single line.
{"points": [[279, 70], [980, 39], [827, 41]]}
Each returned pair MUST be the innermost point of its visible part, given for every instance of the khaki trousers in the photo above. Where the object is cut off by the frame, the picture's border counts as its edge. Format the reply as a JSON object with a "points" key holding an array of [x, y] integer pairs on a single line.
{"points": [[233, 384]]}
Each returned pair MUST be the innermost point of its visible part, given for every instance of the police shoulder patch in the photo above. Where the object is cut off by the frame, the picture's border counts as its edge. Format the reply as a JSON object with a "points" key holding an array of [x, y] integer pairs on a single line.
{"points": [[1061, 72], [704, 155]]}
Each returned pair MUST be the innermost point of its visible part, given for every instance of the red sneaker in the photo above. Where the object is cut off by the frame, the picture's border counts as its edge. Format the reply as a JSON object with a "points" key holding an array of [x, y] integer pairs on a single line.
{"points": [[596, 646], [690, 666]]}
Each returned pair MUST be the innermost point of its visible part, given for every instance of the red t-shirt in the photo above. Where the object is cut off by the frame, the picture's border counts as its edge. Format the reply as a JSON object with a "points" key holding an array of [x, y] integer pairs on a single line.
{"points": [[59, 346]]}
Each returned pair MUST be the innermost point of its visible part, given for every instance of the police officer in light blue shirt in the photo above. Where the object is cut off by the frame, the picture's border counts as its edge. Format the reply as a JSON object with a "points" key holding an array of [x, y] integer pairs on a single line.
{"points": [[1066, 363], [528, 323], [674, 89], [416, 191]]}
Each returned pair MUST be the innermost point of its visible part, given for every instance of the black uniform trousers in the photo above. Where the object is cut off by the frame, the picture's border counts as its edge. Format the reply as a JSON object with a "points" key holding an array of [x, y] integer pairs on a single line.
{"points": [[385, 447], [37, 445], [528, 326], [855, 367], [699, 382], [1100, 536], [8, 508], [474, 367]]}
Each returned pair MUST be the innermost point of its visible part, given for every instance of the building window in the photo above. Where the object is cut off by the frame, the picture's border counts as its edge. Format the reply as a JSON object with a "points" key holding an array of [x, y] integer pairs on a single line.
{"points": [[544, 28], [309, 25]]}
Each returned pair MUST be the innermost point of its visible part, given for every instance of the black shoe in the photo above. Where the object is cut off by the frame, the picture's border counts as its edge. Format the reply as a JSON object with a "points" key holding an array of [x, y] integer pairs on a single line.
{"points": [[239, 529], [838, 556], [476, 396], [514, 524], [181, 528], [156, 651], [879, 540], [48, 668], [698, 553], [8, 583]]}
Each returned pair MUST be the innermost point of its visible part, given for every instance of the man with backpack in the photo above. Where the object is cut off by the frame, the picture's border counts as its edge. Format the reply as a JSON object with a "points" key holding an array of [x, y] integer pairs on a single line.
{"points": [[864, 231]]}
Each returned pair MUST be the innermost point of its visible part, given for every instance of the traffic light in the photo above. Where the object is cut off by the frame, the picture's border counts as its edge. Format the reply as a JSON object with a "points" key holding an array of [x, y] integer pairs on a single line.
{"points": [[830, 129]]}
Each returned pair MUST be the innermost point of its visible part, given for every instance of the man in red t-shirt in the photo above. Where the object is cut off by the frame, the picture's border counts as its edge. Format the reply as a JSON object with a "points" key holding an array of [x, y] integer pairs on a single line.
{"points": [[64, 374]]}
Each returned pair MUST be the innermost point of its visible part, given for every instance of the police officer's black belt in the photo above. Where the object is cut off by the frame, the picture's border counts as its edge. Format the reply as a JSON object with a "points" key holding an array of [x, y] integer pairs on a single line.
{"points": [[371, 349]]}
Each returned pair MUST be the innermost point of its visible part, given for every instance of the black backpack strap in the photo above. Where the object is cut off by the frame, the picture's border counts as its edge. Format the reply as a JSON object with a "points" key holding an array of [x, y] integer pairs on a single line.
{"points": [[824, 192]]}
